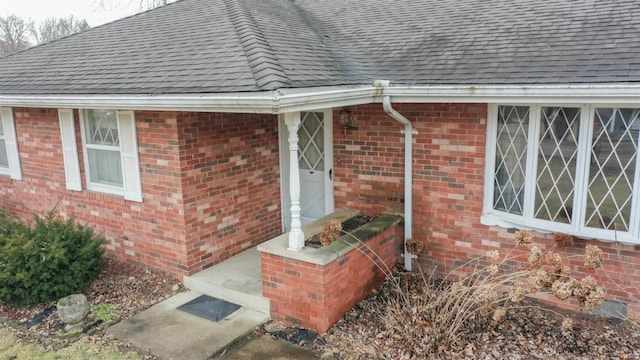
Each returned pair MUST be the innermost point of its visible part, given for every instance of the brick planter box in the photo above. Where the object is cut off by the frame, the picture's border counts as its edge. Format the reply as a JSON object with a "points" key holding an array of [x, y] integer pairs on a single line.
{"points": [[314, 288]]}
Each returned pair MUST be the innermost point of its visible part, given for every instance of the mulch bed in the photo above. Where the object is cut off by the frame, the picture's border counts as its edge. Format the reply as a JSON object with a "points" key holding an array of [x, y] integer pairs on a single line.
{"points": [[347, 226], [533, 332], [363, 333], [128, 288]]}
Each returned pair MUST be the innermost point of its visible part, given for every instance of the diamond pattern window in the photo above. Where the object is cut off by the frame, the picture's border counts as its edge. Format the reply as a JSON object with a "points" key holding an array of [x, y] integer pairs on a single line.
{"points": [[311, 141], [511, 156], [557, 156], [614, 152], [564, 168]]}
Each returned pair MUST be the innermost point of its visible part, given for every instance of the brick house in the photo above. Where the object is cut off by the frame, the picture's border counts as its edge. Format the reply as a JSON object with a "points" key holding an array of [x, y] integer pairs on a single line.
{"points": [[172, 131]]}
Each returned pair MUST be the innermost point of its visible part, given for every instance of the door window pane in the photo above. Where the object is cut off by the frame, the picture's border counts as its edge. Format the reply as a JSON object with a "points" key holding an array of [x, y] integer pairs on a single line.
{"points": [[311, 141]]}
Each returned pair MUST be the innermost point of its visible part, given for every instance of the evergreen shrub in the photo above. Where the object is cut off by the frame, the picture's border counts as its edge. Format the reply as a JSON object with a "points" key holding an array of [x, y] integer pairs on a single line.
{"points": [[53, 259]]}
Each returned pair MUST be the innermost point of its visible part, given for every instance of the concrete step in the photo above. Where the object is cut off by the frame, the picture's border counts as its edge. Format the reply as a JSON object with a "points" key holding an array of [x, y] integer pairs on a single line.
{"points": [[237, 280]]}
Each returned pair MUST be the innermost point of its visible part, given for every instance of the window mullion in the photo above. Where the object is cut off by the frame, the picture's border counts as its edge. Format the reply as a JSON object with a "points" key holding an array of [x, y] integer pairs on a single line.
{"points": [[115, 148], [532, 157], [582, 168]]}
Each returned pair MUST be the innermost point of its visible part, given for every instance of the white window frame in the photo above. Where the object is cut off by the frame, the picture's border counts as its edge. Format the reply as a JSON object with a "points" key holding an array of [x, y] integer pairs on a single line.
{"points": [[128, 151], [14, 169], [493, 217]]}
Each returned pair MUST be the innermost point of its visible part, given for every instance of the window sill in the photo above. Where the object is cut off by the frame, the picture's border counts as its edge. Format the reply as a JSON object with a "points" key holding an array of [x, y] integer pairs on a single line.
{"points": [[105, 189], [587, 234]]}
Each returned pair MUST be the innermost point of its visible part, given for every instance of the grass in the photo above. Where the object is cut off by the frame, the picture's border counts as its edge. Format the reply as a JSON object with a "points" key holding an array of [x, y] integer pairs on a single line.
{"points": [[104, 312], [12, 348]]}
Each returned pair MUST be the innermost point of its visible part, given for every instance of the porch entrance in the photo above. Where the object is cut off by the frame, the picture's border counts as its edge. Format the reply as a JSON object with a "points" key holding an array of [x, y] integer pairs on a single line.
{"points": [[315, 160]]}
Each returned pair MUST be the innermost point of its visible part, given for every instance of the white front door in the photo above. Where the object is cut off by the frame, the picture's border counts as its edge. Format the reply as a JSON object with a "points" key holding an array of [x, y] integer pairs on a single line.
{"points": [[315, 160]]}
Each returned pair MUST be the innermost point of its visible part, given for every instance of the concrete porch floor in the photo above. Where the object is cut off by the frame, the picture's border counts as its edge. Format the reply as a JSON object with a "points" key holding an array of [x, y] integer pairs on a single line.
{"points": [[237, 280]]}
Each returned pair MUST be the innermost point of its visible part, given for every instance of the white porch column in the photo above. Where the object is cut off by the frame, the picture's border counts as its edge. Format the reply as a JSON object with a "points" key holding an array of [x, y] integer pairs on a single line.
{"points": [[296, 236]]}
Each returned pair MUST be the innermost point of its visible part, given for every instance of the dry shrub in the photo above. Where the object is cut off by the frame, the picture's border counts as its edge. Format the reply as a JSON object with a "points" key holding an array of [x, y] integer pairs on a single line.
{"points": [[484, 296], [414, 246], [562, 240], [593, 257], [523, 238], [331, 232]]}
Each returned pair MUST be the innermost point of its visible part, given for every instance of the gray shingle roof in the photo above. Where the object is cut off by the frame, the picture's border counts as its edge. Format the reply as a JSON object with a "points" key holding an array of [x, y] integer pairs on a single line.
{"points": [[218, 46]]}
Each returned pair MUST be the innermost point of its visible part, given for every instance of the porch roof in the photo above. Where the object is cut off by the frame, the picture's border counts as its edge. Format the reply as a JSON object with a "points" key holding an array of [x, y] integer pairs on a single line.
{"points": [[255, 47]]}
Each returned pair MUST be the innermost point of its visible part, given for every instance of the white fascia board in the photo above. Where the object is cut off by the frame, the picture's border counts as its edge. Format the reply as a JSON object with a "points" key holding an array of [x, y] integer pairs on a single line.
{"points": [[526, 94], [238, 103], [292, 100], [269, 102], [306, 99]]}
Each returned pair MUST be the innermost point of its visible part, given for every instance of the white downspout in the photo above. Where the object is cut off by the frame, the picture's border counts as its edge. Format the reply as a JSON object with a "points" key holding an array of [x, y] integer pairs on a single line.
{"points": [[408, 168]]}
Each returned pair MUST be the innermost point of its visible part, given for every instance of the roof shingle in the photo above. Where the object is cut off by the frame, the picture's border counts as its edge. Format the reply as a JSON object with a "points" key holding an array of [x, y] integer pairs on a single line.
{"points": [[220, 46]]}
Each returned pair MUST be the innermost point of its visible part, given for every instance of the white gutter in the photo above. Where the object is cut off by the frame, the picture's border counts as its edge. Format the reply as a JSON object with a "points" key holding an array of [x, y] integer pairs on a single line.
{"points": [[524, 94], [408, 167], [291, 100], [245, 103], [269, 102]]}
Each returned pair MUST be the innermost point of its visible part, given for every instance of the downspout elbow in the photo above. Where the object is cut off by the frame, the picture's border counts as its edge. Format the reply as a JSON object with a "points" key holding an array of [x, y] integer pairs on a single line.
{"points": [[386, 105]]}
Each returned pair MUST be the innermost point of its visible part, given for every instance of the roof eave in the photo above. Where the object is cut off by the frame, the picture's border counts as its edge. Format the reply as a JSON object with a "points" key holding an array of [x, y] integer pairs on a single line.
{"points": [[526, 94], [239, 102], [305, 99], [267, 102]]}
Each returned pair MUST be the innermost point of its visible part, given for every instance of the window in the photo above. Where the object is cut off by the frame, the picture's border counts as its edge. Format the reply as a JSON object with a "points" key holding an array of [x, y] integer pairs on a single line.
{"points": [[111, 154], [9, 156], [4, 160], [564, 168], [102, 146]]}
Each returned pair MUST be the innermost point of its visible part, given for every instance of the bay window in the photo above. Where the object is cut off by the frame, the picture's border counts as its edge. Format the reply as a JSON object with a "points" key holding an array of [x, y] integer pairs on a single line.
{"points": [[564, 168]]}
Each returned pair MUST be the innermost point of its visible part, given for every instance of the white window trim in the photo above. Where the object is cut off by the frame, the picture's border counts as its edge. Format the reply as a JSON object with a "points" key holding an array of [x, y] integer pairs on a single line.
{"points": [[14, 170], [128, 149], [526, 221]]}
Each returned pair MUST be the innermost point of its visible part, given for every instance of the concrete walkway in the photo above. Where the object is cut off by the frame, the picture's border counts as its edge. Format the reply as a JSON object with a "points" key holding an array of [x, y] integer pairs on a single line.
{"points": [[266, 348], [169, 333]]}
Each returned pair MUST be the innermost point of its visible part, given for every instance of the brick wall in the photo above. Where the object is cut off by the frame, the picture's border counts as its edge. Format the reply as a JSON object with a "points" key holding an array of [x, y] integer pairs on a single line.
{"points": [[231, 175], [316, 296], [189, 188], [211, 187], [150, 233], [448, 160]]}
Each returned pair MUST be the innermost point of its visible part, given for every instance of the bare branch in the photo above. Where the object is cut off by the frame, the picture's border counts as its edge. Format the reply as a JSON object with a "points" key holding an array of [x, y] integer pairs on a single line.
{"points": [[14, 34], [51, 28]]}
